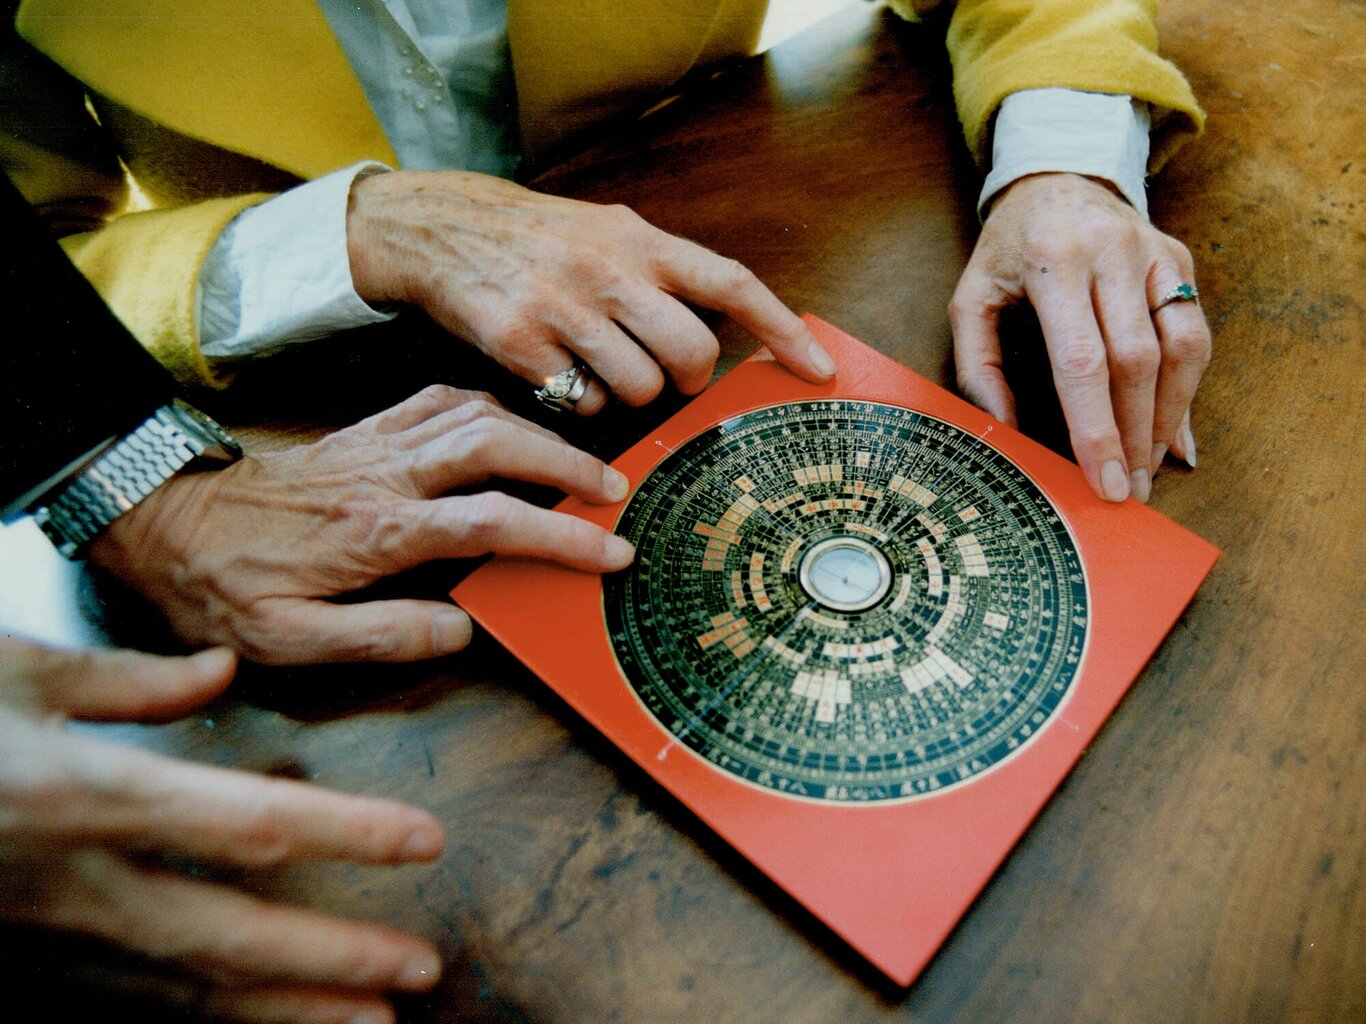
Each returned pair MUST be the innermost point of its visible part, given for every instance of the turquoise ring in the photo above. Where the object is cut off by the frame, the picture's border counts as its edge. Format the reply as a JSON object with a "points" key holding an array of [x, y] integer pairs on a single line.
{"points": [[1181, 293]]}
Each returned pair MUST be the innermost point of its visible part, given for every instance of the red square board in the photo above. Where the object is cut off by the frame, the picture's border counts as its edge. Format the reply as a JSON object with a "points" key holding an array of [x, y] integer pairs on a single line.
{"points": [[869, 632]]}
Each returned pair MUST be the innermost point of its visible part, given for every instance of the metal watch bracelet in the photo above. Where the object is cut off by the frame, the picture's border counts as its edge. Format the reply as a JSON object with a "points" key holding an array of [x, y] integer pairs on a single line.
{"points": [[128, 471]]}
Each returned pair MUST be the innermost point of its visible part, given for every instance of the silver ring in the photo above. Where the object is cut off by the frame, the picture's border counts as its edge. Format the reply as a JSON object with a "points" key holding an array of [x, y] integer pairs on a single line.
{"points": [[564, 389], [1181, 293]]}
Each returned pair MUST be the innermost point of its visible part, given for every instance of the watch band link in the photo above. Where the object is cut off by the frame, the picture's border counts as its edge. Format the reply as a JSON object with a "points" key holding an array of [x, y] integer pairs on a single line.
{"points": [[121, 476]]}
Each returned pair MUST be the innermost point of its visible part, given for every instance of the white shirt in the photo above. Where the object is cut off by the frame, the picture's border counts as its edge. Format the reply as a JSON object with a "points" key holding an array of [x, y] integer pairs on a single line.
{"points": [[438, 76]]}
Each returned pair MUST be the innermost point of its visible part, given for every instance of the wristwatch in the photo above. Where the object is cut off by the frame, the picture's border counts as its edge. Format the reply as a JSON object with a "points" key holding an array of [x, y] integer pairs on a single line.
{"points": [[127, 470]]}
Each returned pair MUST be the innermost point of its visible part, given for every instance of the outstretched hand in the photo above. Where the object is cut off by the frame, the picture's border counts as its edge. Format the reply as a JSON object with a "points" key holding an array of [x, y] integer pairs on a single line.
{"points": [[250, 556], [1093, 269], [80, 817], [539, 283]]}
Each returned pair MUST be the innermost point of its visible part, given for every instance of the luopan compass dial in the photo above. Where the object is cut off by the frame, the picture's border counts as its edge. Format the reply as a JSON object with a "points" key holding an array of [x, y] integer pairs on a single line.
{"points": [[847, 601]]}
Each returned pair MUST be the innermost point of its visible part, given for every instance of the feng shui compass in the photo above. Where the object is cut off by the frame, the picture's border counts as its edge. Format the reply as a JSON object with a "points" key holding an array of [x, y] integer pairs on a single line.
{"points": [[868, 631], [847, 601]]}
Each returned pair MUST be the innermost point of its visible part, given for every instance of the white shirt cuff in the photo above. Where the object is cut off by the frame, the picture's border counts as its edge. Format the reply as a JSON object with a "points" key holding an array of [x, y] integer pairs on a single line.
{"points": [[1096, 134], [279, 273]]}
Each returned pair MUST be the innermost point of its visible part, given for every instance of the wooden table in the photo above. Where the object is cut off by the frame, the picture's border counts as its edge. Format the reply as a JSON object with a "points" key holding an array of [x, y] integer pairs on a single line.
{"points": [[1204, 860]]}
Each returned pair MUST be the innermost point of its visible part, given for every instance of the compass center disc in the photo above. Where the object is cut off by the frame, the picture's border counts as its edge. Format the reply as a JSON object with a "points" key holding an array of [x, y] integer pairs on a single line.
{"points": [[846, 574]]}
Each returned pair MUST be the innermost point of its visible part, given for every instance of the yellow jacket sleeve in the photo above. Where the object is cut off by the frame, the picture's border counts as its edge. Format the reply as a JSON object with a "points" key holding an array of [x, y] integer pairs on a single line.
{"points": [[1003, 46], [146, 267]]}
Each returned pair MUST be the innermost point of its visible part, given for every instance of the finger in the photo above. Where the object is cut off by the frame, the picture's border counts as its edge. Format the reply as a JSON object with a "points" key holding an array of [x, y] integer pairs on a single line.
{"points": [[626, 368], [1183, 445], [429, 402], [1120, 301], [499, 448], [477, 408], [221, 932], [1081, 375], [142, 987], [974, 318], [63, 788], [493, 523], [117, 685], [290, 1004], [550, 361], [594, 398], [682, 344], [1186, 345], [702, 277], [309, 632]]}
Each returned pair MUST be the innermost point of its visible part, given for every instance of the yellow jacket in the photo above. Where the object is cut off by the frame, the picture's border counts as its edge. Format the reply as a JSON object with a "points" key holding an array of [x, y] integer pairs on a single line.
{"points": [[215, 104]]}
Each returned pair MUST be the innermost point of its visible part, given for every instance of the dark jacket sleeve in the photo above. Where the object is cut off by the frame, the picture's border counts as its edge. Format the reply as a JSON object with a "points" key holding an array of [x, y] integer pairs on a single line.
{"points": [[71, 376]]}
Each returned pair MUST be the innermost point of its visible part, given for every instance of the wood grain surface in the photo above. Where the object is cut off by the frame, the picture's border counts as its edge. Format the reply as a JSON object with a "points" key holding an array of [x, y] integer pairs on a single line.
{"points": [[1204, 861]]}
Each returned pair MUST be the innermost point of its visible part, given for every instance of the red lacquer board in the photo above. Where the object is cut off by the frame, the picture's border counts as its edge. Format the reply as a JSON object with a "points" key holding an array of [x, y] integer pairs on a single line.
{"points": [[890, 877]]}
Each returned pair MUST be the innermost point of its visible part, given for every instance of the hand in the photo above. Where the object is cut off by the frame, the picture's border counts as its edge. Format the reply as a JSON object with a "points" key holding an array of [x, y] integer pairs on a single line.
{"points": [[249, 556], [80, 818], [538, 283], [1092, 268]]}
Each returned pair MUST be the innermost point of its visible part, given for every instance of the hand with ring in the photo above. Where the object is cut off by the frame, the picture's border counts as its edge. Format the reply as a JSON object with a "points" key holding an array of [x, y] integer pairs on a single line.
{"points": [[547, 285], [1125, 334]]}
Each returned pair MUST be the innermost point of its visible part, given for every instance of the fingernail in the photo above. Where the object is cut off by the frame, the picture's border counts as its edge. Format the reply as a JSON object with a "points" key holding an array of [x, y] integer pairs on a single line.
{"points": [[419, 973], [421, 844], [1140, 485], [451, 630], [372, 1017], [821, 360], [617, 552], [1188, 442], [615, 484], [1114, 484]]}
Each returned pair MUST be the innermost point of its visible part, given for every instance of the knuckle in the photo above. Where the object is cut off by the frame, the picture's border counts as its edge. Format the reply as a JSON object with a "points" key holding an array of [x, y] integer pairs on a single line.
{"points": [[697, 357], [364, 962], [1049, 250], [480, 440], [966, 377], [1136, 361], [1185, 262], [1191, 345], [515, 332], [1080, 362], [439, 396], [265, 836], [480, 404], [1105, 230], [256, 633], [485, 516], [623, 216], [960, 308], [383, 641], [379, 533], [641, 387], [1093, 440], [735, 276]]}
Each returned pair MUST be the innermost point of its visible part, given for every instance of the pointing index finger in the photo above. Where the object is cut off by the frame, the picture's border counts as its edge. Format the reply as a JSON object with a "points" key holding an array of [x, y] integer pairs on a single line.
{"points": [[701, 276]]}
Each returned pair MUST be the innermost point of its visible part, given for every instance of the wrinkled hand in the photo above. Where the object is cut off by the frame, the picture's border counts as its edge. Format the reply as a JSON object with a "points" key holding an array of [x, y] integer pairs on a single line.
{"points": [[1092, 268], [80, 817], [539, 282], [248, 556]]}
